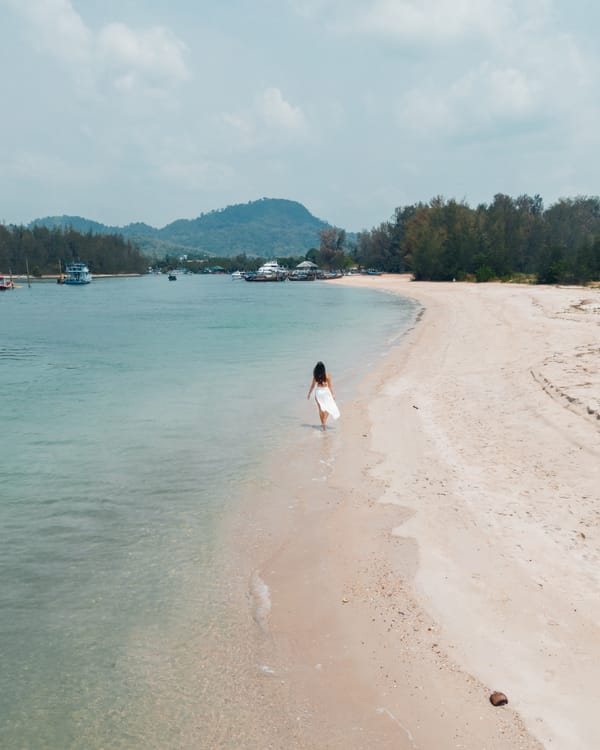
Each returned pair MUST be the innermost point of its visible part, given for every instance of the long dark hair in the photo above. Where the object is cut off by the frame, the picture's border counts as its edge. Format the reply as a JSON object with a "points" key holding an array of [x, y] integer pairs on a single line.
{"points": [[320, 373]]}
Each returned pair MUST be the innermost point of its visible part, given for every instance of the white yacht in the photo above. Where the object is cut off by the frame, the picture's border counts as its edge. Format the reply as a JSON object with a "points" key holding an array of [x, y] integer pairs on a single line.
{"points": [[269, 271]]}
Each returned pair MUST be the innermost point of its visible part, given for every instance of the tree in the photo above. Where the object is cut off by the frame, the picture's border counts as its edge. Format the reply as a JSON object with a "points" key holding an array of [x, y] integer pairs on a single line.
{"points": [[331, 249]]}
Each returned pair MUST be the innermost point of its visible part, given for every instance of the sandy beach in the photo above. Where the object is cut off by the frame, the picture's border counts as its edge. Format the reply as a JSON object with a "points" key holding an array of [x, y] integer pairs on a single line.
{"points": [[444, 540]]}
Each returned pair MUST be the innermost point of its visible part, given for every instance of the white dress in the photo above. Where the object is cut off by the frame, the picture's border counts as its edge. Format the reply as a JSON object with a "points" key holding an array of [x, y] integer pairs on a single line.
{"points": [[324, 398]]}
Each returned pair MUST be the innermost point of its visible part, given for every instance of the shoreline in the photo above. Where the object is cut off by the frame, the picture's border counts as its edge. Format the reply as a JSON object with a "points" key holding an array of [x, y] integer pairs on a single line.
{"points": [[445, 553]]}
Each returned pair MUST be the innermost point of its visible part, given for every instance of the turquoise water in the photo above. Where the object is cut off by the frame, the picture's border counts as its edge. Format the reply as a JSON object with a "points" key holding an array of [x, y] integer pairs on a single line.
{"points": [[133, 411]]}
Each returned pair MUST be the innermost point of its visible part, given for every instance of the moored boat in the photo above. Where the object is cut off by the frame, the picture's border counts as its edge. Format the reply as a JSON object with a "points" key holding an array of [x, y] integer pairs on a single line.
{"points": [[302, 275], [265, 276], [6, 283], [77, 274], [269, 271]]}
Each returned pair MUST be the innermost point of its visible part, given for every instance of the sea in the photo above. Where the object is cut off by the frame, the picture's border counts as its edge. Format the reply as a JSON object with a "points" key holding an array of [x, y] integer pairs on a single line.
{"points": [[137, 416]]}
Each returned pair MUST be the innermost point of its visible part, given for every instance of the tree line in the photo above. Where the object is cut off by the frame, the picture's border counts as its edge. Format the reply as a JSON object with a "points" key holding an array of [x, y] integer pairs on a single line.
{"points": [[439, 241], [45, 250], [511, 237], [442, 240]]}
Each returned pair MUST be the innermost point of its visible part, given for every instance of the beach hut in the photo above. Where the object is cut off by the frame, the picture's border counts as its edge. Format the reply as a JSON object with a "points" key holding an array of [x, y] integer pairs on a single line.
{"points": [[305, 271]]}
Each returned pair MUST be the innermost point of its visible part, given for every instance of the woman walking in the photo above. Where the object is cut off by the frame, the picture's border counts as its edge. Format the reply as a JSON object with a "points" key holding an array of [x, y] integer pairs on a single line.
{"points": [[321, 384]]}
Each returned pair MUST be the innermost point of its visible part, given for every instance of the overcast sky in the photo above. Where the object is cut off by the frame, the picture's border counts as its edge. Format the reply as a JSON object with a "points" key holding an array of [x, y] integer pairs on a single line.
{"points": [[141, 110]]}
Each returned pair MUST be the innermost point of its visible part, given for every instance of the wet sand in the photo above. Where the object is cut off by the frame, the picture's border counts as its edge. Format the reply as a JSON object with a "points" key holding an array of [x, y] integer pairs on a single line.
{"points": [[442, 540]]}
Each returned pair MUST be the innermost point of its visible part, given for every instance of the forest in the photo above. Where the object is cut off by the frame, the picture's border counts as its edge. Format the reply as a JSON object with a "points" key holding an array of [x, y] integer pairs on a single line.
{"points": [[44, 250], [509, 238]]}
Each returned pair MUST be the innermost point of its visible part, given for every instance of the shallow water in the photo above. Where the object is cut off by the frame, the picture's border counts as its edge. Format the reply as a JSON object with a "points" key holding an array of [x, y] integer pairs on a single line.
{"points": [[135, 413]]}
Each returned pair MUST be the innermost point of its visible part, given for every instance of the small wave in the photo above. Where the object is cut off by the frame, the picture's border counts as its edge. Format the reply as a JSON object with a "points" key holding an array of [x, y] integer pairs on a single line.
{"points": [[16, 353], [260, 600]]}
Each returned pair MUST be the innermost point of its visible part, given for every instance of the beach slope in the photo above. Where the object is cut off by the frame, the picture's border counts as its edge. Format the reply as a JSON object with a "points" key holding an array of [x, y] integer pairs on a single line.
{"points": [[486, 425], [442, 541]]}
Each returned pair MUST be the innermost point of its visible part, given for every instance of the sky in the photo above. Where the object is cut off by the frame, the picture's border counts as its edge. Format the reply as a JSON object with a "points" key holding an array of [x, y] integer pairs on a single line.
{"points": [[140, 110]]}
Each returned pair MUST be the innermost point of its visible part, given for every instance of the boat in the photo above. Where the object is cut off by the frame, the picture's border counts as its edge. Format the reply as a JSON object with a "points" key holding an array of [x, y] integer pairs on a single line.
{"points": [[237, 275], [6, 283], [265, 276], [77, 274], [269, 271], [172, 277]]}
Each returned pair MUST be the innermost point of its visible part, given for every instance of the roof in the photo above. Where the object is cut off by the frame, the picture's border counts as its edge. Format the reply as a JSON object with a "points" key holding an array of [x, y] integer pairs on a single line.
{"points": [[306, 264]]}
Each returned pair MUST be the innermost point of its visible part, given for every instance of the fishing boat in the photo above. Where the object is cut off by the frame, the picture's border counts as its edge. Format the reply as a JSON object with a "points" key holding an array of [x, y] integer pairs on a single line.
{"points": [[299, 275], [77, 274], [372, 272], [6, 283]]}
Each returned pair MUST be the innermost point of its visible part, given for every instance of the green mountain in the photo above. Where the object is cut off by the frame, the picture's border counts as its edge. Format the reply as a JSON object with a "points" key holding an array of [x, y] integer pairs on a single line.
{"points": [[268, 227]]}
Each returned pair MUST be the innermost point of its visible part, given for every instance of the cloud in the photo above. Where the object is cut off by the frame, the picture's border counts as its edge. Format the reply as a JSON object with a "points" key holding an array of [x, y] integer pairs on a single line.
{"points": [[271, 115], [244, 127], [279, 114], [57, 28], [130, 59], [410, 20], [430, 20], [152, 56], [483, 98]]}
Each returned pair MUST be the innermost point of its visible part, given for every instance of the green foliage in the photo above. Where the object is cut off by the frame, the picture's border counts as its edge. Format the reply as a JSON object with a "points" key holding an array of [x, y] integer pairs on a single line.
{"points": [[331, 249], [268, 227], [440, 240], [444, 240], [483, 274], [45, 249]]}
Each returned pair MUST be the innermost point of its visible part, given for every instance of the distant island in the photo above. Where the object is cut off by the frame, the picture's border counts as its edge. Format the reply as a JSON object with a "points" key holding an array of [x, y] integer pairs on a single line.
{"points": [[268, 228]]}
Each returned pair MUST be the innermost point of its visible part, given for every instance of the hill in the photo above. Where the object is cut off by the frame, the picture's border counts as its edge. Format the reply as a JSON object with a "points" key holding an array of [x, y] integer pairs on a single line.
{"points": [[268, 227]]}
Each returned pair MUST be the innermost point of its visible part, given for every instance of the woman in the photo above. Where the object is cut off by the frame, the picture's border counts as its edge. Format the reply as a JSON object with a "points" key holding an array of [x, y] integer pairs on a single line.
{"points": [[321, 384]]}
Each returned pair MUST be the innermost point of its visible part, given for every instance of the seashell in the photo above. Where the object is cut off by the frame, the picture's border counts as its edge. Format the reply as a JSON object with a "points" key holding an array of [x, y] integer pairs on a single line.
{"points": [[498, 699]]}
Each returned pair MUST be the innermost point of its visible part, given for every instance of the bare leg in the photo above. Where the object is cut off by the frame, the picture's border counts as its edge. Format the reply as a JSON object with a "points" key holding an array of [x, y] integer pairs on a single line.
{"points": [[323, 417]]}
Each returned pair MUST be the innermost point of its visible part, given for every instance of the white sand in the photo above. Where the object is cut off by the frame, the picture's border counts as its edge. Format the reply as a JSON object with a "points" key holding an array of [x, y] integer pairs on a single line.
{"points": [[445, 541], [499, 465]]}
